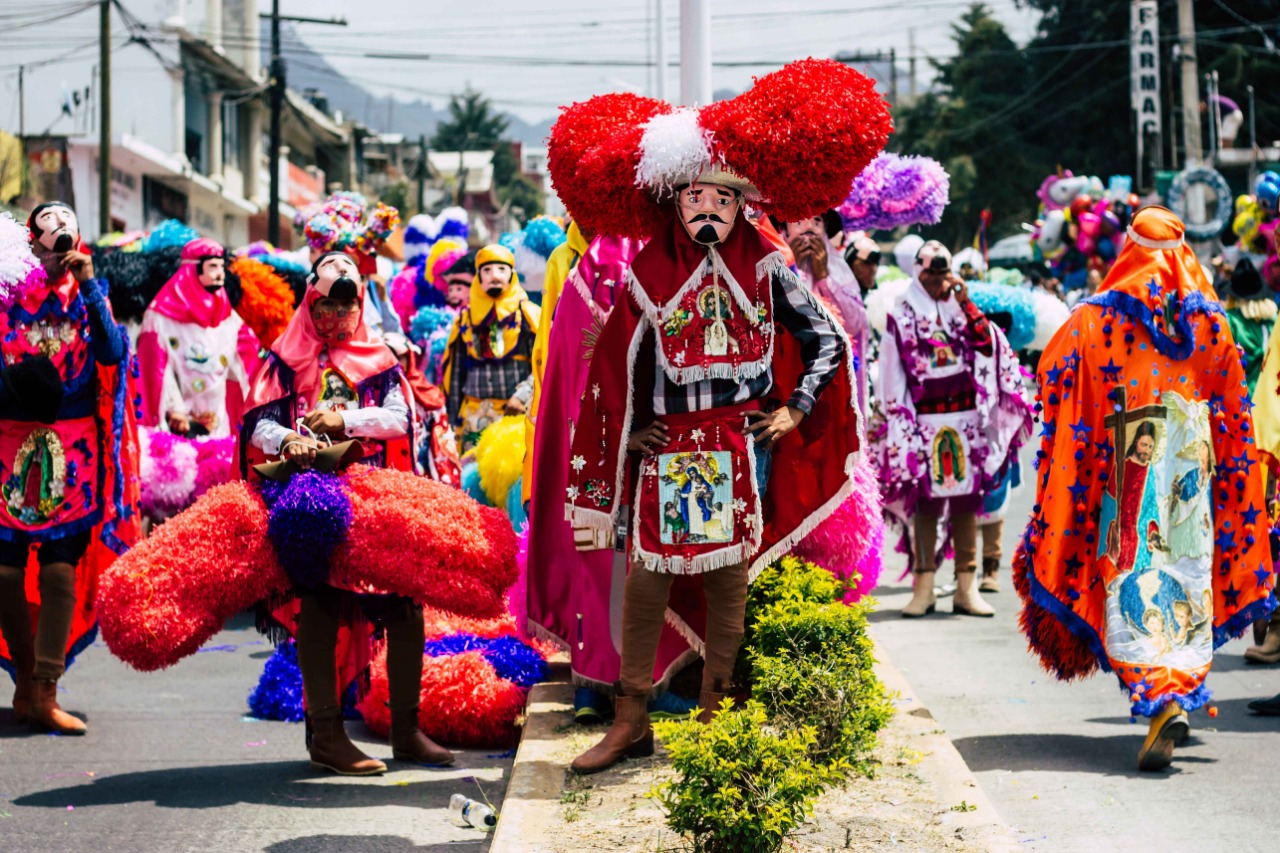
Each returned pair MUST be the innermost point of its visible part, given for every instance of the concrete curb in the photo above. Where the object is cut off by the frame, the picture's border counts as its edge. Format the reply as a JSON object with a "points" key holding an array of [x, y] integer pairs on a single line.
{"points": [[537, 777], [943, 767]]}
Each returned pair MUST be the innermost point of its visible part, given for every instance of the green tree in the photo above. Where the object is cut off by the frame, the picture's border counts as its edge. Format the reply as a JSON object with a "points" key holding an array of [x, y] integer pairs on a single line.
{"points": [[472, 125], [972, 124], [526, 198]]}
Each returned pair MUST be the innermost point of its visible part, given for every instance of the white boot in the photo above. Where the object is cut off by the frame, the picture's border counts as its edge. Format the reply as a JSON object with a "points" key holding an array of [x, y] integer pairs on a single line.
{"points": [[968, 600], [923, 601]]}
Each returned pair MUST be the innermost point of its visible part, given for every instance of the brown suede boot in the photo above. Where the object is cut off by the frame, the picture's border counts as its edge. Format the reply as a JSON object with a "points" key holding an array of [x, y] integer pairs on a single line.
{"points": [[48, 715], [331, 749], [630, 736], [24, 689], [408, 743], [709, 701]]}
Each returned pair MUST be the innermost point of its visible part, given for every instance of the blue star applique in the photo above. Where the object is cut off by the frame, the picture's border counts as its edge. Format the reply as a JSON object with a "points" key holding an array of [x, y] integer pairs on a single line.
{"points": [[1048, 428], [1080, 430], [1243, 463], [1223, 470], [1153, 287], [1105, 449], [1231, 594], [1226, 540], [1110, 371], [1073, 565], [1217, 403], [1246, 403], [1052, 375], [1072, 360], [1251, 515], [1261, 574], [1078, 490]]}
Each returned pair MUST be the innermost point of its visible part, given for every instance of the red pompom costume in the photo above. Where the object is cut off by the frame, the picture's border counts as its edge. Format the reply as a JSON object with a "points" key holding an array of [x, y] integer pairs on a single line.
{"points": [[713, 330], [1148, 546], [70, 482]]}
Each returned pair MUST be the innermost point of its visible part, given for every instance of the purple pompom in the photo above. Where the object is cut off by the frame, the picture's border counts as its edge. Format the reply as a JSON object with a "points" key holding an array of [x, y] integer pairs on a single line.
{"points": [[308, 519], [896, 190]]}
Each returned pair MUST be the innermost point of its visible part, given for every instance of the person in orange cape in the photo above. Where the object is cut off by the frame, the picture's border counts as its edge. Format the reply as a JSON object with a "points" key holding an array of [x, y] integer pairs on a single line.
{"points": [[1147, 547], [69, 456], [325, 377], [720, 420]]}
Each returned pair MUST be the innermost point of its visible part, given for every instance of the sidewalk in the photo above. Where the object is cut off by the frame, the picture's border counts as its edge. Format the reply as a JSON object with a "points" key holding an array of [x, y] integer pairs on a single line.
{"points": [[923, 796]]}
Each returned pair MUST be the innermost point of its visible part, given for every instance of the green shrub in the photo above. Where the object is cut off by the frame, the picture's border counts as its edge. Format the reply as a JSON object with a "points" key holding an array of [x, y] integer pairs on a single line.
{"points": [[742, 785], [786, 580]]}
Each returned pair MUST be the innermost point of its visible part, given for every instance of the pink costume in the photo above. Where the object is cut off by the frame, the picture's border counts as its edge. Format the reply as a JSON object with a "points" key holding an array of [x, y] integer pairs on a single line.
{"points": [[840, 289], [195, 355], [576, 596]]}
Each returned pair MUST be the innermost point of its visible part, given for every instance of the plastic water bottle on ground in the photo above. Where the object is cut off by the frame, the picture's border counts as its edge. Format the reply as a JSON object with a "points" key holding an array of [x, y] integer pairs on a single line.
{"points": [[467, 812]]}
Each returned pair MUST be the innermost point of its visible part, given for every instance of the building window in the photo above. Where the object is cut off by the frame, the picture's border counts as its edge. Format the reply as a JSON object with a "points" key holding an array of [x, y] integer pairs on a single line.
{"points": [[231, 136], [195, 150]]}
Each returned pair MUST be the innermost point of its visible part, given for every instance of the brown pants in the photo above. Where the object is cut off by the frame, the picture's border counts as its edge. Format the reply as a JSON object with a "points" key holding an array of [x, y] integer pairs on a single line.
{"points": [[644, 607], [318, 640], [964, 538], [992, 533], [44, 651]]}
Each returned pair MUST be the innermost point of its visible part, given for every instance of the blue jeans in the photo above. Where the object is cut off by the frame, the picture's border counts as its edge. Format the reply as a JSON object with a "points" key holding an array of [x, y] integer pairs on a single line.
{"points": [[764, 464]]}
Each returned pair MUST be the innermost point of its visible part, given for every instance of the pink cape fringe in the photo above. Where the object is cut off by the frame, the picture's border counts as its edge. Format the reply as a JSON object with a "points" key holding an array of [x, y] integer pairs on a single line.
{"points": [[850, 542]]}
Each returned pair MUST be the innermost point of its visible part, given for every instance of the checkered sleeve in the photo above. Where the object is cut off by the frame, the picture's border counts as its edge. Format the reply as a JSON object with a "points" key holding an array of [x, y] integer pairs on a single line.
{"points": [[821, 347]]}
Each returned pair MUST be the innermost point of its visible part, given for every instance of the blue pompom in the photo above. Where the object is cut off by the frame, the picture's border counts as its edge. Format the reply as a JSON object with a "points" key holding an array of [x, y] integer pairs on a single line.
{"points": [[471, 483], [511, 658], [515, 505], [543, 235], [278, 695], [168, 234], [1017, 303]]}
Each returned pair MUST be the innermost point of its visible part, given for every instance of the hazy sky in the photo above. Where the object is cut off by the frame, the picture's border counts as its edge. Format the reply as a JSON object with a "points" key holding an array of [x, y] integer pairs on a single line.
{"points": [[504, 47], [482, 42]]}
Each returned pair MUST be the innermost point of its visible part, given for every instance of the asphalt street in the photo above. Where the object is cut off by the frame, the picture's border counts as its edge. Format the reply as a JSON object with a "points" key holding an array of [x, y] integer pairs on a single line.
{"points": [[1059, 760], [171, 763]]}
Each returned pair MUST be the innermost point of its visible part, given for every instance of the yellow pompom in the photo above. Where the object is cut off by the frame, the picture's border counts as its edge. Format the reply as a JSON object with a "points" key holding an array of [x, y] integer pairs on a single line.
{"points": [[500, 457]]}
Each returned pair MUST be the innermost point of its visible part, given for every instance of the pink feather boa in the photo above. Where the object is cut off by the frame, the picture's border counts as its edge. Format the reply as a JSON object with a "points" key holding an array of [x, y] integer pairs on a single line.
{"points": [[175, 470], [850, 542]]}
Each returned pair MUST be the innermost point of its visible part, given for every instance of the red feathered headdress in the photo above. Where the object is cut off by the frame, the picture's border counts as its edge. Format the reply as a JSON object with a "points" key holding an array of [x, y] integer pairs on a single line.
{"points": [[792, 144]]}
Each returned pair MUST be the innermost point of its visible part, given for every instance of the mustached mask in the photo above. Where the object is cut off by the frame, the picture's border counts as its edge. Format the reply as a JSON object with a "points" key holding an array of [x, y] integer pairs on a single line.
{"points": [[55, 227], [495, 278], [212, 271], [708, 211], [336, 314]]}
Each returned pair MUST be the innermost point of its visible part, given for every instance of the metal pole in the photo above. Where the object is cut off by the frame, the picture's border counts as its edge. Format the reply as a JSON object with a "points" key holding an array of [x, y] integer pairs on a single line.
{"points": [[277, 107], [911, 64], [422, 173], [1192, 152], [661, 89], [22, 105], [893, 76], [104, 120], [695, 52]]}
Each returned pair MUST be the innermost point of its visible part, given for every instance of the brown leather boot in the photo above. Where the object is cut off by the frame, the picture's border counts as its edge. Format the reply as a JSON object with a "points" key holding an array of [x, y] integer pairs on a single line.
{"points": [[709, 701], [331, 749], [48, 715], [408, 743], [24, 689], [1267, 651], [630, 736]]}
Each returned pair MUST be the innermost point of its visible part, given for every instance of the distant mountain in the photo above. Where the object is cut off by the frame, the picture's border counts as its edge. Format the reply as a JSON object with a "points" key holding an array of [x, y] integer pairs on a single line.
{"points": [[307, 69]]}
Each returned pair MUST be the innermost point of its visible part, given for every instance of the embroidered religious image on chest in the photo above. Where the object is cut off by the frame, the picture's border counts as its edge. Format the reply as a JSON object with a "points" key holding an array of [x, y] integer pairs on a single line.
{"points": [[696, 494], [1157, 532]]}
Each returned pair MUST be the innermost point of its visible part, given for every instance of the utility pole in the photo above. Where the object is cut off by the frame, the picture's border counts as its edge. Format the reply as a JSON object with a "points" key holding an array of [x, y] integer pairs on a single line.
{"points": [[104, 119], [695, 52], [277, 80], [911, 63], [893, 76], [661, 90], [1190, 84], [422, 173], [1192, 155]]}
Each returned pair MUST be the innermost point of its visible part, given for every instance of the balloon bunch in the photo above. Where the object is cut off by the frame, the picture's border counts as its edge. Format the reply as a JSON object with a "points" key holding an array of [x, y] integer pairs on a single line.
{"points": [[1256, 218], [1082, 224]]}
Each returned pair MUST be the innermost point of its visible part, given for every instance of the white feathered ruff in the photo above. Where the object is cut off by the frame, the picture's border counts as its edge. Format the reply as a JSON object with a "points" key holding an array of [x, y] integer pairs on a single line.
{"points": [[19, 269], [674, 150], [1051, 314]]}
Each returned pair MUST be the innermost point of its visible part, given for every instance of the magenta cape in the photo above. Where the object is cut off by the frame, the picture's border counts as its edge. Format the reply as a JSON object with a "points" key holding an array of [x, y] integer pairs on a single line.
{"points": [[573, 596]]}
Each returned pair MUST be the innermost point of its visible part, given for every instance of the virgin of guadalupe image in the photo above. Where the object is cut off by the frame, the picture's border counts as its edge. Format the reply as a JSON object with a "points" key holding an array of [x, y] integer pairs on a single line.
{"points": [[948, 458], [1190, 510]]}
